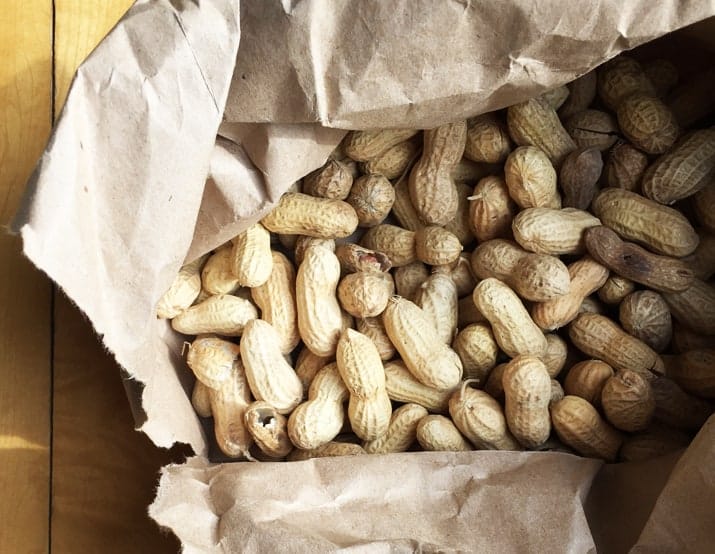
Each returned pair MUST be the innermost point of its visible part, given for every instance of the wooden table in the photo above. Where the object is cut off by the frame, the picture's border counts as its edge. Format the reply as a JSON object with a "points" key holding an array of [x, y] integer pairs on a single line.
{"points": [[74, 475]]}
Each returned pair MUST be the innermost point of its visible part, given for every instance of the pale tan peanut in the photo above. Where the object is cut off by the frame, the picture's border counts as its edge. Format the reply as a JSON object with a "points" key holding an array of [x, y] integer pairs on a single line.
{"points": [[469, 172], [228, 406], [320, 419], [645, 315], [409, 278], [582, 92], [702, 261], [303, 242], [695, 98], [396, 243], [333, 180], [374, 328], [677, 408], [401, 433], [461, 226], [320, 318], [432, 189], [549, 231], [402, 386], [438, 299], [494, 386], [436, 433], [302, 214], [268, 428], [394, 161], [619, 79], [487, 139], [307, 366], [591, 305], [251, 260], [586, 380], [599, 337], [527, 394], [694, 371], [431, 361], [476, 347], [531, 179], [182, 292], [628, 401], [592, 129], [615, 289], [277, 300], [682, 171], [436, 246], [461, 274], [704, 202], [354, 257], [647, 122], [270, 376], [362, 146], [365, 293], [222, 314], [557, 392], [556, 354], [491, 209], [662, 74], [217, 276], [203, 295], [659, 228], [625, 167], [579, 176], [496, 258], [328, 450], [684, 339], [513, 328], [656, 441], [200, 399], [402, 208], [556, 96], [370, 417], [587, 276], [468, 313], [372, 197], [578, 424], [481, 419], [694, 307], [212, 360]]}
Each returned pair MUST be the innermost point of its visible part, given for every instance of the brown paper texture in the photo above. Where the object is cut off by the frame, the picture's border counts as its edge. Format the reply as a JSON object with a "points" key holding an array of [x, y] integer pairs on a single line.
{"points": [[189, 121]]}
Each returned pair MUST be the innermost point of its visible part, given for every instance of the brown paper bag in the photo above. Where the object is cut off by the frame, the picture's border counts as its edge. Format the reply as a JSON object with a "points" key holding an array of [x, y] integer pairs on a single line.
{"points": [[254, 95]]}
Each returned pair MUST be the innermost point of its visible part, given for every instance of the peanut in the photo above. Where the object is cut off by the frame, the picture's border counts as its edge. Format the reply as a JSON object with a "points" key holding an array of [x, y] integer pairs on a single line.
{"points": [[333, 180], [531, 179], [467, 171], [223, 314], [268, 429], [586, 380], [409, 278], [402, 208], [217, 276], [401, 432], [694, 371], [557, 393], [647, 122], [704, 202], [436, 246], [436, 433], [461, 275], [251, 260], [591, 305], [365, 293], [619, 79], [476, 347], [438, 299], [625, 167], [549, 231], [182, 292], [301, 214], [582, 92], [396, 243], [303, 242], [694, 307], [527, 394], [491, 209], [487, 140], [395, 161], [372, 197], [579, 177], [212, 360], [556, 354], [592, 129], [402, 386], [645, 315], [628, 401], [615, 289], [354, 257], [494, 386], [468, 313], [362, 146], [200, 399], [328, 450], [461, 226], [677, 408], [307, 366], [228, 405]]}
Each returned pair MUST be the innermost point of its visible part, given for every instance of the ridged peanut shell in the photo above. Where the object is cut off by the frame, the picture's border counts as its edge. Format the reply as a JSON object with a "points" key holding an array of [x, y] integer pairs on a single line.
{"points": [[200, 400], [268, 429], [615, 289], [362, 146], [182, 292], [436, 246], [647, 122], [621, 78], [374, 329], [396, 243], [228, 406], [212, 360], [328, 450], [579, 176], [370, 417], [481, 419], [586, 380], [217, 275], [372, 197], [365, 293], [402, 207], [302, 214], [694, 307], [409, 279], [401, 433], [402, 386], [487, 140], [582, 92], [333, 180], [625, 166], [645, 315], [531, 179], [527, 394], [592, 129], [628, 401], [223, 314], [394, 161], [550, 231], [460, 226], [491, 209], [476, 347], [436, 433], [556, 354], [438, 299], [354, 257]]}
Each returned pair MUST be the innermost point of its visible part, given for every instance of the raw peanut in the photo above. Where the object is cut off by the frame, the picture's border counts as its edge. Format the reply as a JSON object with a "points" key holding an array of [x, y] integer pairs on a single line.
{"points": [[662, 74], [372, 197], [481, 419], [496, 258], [659, 228], [578, 425], [268, 429], [587, 276], [328, 450], [586, 380], [303, 242], [436, 246], [695, 99], [704, 202], [476, 347], [200, 399], [438, 299], [556, 96], [684, 339], [270, 377], [333, 180], [632, 262], [354, 257], [277, 301], [228, 405], [645, 315], [302, 214], [394, 161], [182, 292], [403, 209], [307, 366], [401, 432], [591, 305], [362, 146], [431, 361], [461, 274], [625, 167], [694, 371], [469, 172], [494, 386], [320, 419], [361, 368], [531, 179], [648, 123], [487, 140], [396, 243], [557, 392], [556, 354], [461, 226], [615, 289], [436, 433], [402, 386], [365, 293], [682, 171], [579, 177], [582, 92], [592, 129], [597, 336], [217, 276], [694, 307], [222, 314], [513, 328], [655, 442], [621, 78], [549, 231], [628, 401], [374, 329], [432, 188], [677, 408], [535, 123], [468, 313], [320, 318], [527, 393], [491, 209], [409, 278], [212, 360], [702, 261], [203, 295], [251, 260]]}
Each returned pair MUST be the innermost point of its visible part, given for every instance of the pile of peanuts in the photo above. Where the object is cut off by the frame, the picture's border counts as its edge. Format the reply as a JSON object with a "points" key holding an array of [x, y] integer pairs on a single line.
{"points": [[515, 281]]}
